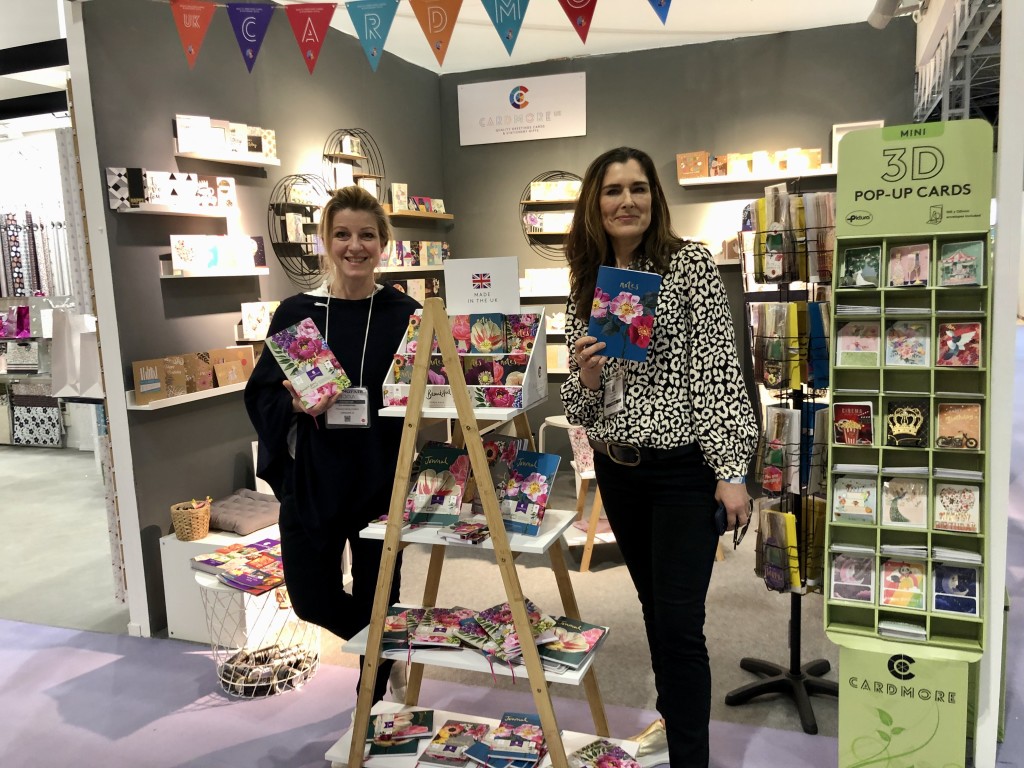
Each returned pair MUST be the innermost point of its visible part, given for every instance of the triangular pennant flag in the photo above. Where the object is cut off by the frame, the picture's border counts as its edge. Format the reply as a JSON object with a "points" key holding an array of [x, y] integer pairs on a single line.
{"points": [[661, 8], [309, 25], [372, 20], [580, 12], [192, 19], [507, 18], [250, 22], [437, 20]]}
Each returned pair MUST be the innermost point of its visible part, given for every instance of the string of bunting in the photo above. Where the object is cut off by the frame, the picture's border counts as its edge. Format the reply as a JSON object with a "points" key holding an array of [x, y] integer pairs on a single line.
{"points": [[372, 20]]}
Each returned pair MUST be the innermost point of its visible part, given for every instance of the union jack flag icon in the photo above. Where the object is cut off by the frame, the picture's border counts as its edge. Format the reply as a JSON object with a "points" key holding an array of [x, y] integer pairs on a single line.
{"points": [[481, 280]]}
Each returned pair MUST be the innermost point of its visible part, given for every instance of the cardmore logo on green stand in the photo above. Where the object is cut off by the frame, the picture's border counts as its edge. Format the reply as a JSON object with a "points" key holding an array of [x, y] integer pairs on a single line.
{"points": [[898, 711]]}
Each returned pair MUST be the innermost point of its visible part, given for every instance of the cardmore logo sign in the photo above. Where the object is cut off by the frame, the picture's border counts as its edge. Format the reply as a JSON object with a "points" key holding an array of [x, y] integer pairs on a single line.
{"points": [[900, 668], [517, 97], [524, 109]]}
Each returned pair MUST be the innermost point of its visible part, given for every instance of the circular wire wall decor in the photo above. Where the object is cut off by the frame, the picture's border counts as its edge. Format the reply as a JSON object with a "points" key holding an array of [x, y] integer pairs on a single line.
{"points": [[353, 151], [537, 217], [295, 203]]}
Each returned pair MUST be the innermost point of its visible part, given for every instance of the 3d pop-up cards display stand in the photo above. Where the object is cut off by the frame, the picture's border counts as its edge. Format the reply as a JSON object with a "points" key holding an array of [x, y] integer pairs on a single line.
{"points": [[909, 453]]}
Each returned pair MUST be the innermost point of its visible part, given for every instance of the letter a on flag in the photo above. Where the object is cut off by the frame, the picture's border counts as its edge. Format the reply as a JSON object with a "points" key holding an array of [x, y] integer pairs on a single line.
{"points": [[250, 22], [507, 18], [310, 22], [580, 12], [437, 20], [192, 19], [372, 20], [661, 8]]}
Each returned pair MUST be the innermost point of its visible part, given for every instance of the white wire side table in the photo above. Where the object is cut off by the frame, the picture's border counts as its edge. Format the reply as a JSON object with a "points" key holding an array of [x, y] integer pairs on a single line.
{"points": [[260, 646]]}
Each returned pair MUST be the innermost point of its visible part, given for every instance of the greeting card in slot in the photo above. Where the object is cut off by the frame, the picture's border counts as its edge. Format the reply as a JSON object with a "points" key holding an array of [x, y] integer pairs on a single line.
{"points": [[857, 343], [908, 342], [487, 333], [906, 422], [399, 196], [854, 499], [861, 267], [149, 381], [909, 265], [460, 332], [957, 508], [852, 423], [521, 332], [625, 302], [307, 362], [412, 335], [435, 497], [905, 502], [958, 426], [524, 497], [962, 263], [903, 584], [853, 578], [959, 345], [430, 253], [401, 369], [957, 589]]}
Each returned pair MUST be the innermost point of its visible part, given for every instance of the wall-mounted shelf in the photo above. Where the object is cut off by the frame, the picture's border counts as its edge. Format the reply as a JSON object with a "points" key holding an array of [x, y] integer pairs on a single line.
{"points": [[168, 402], [418, 268], [250, 159], [157, 209], [758, 178], [343, 156], [257, 272], [425, 215], [566, 202]]}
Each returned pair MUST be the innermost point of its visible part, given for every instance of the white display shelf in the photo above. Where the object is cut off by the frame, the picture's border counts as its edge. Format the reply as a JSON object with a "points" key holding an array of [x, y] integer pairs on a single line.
{"points": [[251, 159], [555, 523], [167, 402], [571, 740], [418, 214], [755, 178], [481, 414], [158, 209], [257, 272], [419, 268], [567, 201], [346, 157]]}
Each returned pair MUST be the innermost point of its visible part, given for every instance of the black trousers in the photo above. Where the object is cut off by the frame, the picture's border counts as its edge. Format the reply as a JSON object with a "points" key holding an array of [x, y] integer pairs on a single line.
{"points": [[662, 515], [312, 572]]}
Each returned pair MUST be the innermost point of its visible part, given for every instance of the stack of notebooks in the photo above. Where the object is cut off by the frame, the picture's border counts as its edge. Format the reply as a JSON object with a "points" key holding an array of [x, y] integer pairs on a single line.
{"points": [[516, 742], [397, 735], [254, 568]]}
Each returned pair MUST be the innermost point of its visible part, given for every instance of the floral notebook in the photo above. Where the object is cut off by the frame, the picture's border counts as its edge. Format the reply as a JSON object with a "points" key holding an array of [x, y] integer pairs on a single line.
{"points": [[622, 315], [435, 497], [524, 496], [573, 643], [308, 362]]}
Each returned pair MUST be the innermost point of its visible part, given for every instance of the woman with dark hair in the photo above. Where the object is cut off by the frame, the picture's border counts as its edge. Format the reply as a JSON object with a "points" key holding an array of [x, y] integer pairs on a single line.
{"points": [[672, 436], [333, 480]]}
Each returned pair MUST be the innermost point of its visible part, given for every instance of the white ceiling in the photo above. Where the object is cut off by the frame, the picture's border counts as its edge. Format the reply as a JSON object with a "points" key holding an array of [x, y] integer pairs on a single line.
{"points": [[546, 33]]}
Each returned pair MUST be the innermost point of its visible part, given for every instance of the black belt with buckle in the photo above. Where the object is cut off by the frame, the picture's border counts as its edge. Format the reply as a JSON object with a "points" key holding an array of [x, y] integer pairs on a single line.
{"points": [[631, 455]]}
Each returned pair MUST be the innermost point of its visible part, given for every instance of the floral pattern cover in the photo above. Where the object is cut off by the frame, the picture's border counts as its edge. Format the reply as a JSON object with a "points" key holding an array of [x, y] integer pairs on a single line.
{"points": [[308, 362]]}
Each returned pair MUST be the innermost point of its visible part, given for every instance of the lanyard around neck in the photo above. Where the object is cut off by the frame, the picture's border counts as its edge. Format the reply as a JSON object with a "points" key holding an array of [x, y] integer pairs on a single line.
{"points": [[366, 335]]}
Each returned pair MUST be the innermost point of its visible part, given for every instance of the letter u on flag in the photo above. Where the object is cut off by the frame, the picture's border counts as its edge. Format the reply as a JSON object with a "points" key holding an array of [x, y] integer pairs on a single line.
{"points": [[580, 13], [507, 18], [661, 8], [310, 22], [437, 20], [372, 20], [250, 22], [192, 19]]}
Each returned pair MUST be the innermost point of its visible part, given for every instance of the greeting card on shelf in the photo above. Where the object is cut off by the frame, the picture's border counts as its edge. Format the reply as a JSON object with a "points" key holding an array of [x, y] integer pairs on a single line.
{"points": [[857, 343], [487, 333], [524, 496], [908, 342], [962, 263], [957, 508], [904, 584], [244, 354], [861, 267], [909, 265], [476, 286], [204, 255], [622, 316], [307, 362], [149, 381], [256, 317], [854, 499], [959, 426], [435, 497], [906, 422], [959, 345], [957, 589], [198, 372], [853, 578], [905, 502], [852, 423]]}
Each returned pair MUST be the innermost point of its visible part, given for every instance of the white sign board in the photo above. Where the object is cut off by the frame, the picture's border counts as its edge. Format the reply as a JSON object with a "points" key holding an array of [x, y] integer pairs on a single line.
{"points": [[524, 109], [477, 286]]}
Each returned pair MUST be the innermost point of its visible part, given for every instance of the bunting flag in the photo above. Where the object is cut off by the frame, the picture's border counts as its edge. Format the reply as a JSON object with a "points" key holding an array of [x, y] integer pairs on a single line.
{"points": [[661, 8], [372, 20], [192, 19], [437, 20], [309, 25], [250, 22], [579, 12], [507, 18]]}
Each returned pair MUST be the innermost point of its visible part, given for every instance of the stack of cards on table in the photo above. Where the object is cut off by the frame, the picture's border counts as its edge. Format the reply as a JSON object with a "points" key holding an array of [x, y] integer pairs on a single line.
{"points": [[438, 627], [449, 745], [397, 734], [602, 754], [516, 742], [470, 531], [254, 568]]}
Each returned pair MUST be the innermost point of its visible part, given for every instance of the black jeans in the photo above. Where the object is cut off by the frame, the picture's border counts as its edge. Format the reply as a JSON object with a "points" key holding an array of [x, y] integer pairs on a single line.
{"points": [[312, 572], [662, 515]]}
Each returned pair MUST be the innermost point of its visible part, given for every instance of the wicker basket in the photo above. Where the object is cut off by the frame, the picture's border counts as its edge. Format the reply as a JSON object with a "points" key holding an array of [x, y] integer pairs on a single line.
{"points": [[190, 523]]}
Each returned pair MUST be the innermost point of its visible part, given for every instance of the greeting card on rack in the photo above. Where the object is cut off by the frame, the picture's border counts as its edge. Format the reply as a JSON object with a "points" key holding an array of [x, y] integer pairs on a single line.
{"points": [[957, 589], [904, 584], [857, 343], [861, 267], [962, 263], [853, 423], [957, 507], [853, 578], [854, 499], [905, 502], [149, 381], [959, 345], [909, 265], [958, 426], [906, 422], [487, 333], [908, 342]]}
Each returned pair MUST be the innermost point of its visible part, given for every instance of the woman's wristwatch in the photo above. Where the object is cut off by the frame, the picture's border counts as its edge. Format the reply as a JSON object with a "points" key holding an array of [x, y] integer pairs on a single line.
{"points": [[738, 480]]}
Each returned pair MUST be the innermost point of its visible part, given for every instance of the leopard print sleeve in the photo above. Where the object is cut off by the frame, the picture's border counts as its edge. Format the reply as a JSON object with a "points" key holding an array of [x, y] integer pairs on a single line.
{"points": [[582, 405]]}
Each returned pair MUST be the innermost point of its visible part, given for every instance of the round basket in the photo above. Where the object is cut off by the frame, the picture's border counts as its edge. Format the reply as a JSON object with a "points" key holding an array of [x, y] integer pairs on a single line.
{"points": [[190, 523]]}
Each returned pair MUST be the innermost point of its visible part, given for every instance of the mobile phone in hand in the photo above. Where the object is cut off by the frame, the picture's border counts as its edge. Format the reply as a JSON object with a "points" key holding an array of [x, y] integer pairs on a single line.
{"points": [[721, 519]]}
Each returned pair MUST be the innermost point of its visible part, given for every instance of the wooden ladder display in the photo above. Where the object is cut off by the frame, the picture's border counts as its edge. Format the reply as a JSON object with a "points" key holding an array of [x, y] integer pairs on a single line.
{"points": [[435, 324]]}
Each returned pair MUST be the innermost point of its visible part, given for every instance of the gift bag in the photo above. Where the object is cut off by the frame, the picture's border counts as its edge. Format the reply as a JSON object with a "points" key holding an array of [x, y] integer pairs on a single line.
{"points": [[90, 382], [23, 322], [66, 354]]}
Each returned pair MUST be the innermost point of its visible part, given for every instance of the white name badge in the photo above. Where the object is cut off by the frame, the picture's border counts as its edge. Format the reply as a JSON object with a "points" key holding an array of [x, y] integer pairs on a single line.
{"points": [[351, 409], [613, 400]]}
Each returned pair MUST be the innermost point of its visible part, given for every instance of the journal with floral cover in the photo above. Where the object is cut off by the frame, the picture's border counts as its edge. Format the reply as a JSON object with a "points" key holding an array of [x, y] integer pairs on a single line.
{"points": [[308, 362]]}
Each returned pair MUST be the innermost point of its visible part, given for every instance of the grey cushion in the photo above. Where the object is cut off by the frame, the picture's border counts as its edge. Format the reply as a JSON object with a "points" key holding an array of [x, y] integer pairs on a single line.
{"points": [[244, 511]]}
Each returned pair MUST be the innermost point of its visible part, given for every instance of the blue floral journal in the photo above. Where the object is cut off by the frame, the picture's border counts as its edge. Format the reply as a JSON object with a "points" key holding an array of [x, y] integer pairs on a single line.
{"points": [[622, 315]]}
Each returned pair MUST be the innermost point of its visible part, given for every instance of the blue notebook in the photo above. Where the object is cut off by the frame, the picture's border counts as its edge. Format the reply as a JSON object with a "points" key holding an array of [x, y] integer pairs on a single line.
{"points": [[622, 315]]}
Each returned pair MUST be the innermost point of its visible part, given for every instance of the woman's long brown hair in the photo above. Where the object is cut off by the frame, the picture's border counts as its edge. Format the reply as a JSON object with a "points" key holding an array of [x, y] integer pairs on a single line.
{"points": [[588, 245]]}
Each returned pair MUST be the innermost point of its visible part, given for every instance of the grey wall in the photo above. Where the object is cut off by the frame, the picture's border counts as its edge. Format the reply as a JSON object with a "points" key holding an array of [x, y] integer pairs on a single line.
{"points": [[140, 80]]}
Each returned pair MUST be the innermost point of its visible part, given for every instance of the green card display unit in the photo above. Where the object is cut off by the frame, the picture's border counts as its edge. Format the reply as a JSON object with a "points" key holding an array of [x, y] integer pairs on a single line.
{"points": [[910, 372]]}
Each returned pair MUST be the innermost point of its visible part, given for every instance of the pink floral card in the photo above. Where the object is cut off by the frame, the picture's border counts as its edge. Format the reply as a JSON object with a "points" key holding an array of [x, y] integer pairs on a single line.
{"points": [[308, 362], [908, 342]]}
